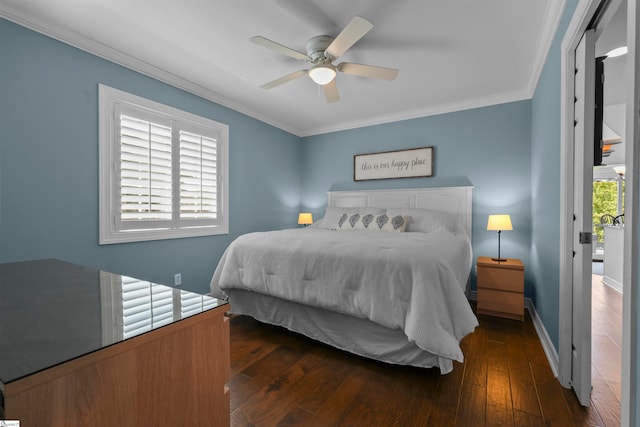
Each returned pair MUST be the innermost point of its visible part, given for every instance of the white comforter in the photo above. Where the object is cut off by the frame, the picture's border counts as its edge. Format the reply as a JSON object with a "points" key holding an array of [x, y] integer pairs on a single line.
{"points": [[411, 281]]}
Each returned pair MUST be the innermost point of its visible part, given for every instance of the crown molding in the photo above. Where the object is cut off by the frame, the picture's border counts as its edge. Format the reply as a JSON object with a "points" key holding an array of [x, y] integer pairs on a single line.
{"points": [[552, 17], [467, 104]]}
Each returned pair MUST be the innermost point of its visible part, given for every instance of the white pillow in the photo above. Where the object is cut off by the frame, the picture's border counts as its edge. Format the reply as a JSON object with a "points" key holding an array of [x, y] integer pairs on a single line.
{"points": [[370, 222], [333, 214], [427, 220]]}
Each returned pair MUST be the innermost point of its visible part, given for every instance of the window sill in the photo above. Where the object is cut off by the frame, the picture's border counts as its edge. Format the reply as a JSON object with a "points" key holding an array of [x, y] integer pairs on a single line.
{"points": [[131, 236]]}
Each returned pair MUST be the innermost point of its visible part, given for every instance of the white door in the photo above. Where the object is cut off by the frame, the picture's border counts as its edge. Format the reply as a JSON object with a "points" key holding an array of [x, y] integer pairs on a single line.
{"points": [[583, 223]]}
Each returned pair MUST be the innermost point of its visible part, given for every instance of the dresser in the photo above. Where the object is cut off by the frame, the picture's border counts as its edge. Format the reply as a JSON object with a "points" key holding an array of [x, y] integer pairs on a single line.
{"points": [[501, 287], [83, 347]]}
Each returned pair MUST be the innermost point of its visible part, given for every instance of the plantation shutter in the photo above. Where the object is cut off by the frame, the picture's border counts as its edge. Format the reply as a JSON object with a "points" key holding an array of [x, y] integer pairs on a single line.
{"points": [[198, 177], [145, 173]]}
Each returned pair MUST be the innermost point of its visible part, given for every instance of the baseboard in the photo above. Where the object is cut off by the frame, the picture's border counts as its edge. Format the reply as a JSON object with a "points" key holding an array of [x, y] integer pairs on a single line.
{"points": [[543, 336], [545, 340], [613, 284]]}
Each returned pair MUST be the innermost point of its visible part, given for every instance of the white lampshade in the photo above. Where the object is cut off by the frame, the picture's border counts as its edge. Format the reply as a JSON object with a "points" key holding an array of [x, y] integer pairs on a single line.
{"points": [[322, 73], [305, 218], [499, 222]]}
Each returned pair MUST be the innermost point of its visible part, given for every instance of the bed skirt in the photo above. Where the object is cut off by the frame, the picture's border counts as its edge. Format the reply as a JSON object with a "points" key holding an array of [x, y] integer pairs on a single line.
{"points": [[355, 335]]}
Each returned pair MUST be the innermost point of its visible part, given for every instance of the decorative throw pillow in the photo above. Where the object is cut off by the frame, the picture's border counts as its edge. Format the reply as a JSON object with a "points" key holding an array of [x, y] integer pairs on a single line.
{"points": [[371, 222], [333, 215]]}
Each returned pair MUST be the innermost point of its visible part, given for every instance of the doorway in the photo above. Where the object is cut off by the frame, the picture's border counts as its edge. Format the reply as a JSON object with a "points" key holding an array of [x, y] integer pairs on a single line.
{"points": [[590, 14], [608, 217]]}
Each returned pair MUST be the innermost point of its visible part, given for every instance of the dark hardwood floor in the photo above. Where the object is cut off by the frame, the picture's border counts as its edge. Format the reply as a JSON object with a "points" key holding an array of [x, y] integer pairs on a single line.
{"points": [[279, 378]]}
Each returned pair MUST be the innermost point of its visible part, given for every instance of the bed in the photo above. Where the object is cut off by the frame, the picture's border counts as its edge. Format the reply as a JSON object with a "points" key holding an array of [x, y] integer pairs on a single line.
{"points": [[384, 275]]}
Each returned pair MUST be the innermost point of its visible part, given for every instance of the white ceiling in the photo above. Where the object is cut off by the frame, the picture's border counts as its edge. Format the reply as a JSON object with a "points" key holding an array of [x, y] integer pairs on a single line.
{"points": [[452, 54]]}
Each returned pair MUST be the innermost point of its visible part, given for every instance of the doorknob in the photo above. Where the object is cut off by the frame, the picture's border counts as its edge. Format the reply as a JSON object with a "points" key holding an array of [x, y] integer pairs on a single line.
{"points": [[585, 238]]}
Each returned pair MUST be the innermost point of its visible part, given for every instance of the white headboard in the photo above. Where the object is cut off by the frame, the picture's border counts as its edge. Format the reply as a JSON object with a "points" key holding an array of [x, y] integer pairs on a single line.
{"points": [[445, 199]]}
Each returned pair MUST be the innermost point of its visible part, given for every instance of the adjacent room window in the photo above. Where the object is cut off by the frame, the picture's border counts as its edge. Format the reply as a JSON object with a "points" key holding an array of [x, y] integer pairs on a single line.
{"points": [[163, 171]]}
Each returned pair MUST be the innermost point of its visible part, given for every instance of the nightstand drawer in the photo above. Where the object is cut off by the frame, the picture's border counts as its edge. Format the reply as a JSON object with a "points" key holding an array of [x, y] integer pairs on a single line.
{"points": [[501, 279], [500, 303]]}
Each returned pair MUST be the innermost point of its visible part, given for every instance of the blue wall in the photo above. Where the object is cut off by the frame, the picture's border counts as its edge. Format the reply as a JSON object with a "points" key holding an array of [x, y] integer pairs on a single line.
{"points": [[490, 147], [49, 164]]}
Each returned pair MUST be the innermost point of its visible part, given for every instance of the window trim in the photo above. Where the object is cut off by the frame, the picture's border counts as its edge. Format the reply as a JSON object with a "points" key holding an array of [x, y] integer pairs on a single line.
{"points": [[110, 100]]}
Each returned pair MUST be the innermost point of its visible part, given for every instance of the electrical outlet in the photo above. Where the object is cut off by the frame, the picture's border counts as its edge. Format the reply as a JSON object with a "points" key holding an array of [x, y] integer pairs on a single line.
{"points": [[177, 279]]}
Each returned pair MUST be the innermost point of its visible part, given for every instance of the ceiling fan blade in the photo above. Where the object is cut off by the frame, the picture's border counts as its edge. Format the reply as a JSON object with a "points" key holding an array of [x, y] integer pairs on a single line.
{"points": [[270, 44], [354, 31], [284, 79], [368, 70], [331, 91]]}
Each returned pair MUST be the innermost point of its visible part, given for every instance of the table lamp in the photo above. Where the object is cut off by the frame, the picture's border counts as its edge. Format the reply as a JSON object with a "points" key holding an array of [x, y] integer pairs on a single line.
{"points": [[305, 218], [499, 223]]}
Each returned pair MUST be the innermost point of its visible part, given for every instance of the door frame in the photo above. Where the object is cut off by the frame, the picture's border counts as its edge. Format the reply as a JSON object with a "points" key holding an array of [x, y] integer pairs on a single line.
{"points": [[583, 15]]}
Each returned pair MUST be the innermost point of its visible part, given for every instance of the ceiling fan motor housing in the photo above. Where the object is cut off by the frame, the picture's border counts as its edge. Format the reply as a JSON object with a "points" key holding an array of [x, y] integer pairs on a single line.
{"points": [[316, 47]]}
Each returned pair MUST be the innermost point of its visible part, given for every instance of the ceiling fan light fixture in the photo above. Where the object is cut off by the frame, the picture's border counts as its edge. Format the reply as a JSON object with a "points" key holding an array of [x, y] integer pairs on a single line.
{"points": [[619, 51], [322, 74]]}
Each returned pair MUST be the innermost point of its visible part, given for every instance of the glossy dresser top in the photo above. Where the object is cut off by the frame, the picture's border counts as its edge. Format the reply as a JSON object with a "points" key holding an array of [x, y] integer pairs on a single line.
{"points": [[52, 311]]}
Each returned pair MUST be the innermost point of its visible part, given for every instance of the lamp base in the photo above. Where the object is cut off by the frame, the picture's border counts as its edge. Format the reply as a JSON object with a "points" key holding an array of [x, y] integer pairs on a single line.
{"points": [[499, 259]]}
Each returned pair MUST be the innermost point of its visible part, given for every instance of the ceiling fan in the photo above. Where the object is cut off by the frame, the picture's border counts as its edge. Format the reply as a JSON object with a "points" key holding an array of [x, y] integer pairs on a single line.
{"points": [[321, 52]]}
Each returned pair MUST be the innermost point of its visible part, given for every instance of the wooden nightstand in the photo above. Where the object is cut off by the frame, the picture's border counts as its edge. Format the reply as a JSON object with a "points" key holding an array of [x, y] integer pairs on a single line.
{"points": [[501, 288]]}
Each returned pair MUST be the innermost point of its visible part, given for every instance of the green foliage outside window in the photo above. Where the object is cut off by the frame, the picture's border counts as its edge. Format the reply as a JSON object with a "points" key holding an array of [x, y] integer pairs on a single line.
{"points": [[605, 201]]}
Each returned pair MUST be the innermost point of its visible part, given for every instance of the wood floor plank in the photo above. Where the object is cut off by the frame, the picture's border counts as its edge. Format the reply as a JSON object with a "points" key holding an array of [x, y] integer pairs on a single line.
{"points": [[473, 405], [525, 419], [296, 417], [250, 343], [605, 402], [499, 403], [243, 389], [582, 416], [555, 409], [523, 391], [496, 359], [388, 399], [270, 366], [445, 405], [603, 325], [607, 358], [498, 328], [312, 390], [271, 404], [415, 413], [335, 411], [419, 382], [475, 348]]}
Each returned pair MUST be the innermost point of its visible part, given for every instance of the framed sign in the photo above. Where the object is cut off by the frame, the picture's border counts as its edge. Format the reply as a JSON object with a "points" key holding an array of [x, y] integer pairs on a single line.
{"points": [[411, 163]]}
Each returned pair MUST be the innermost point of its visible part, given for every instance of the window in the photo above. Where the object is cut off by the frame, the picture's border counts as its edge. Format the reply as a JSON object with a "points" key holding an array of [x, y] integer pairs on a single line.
{"points": [[163, 172]]}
